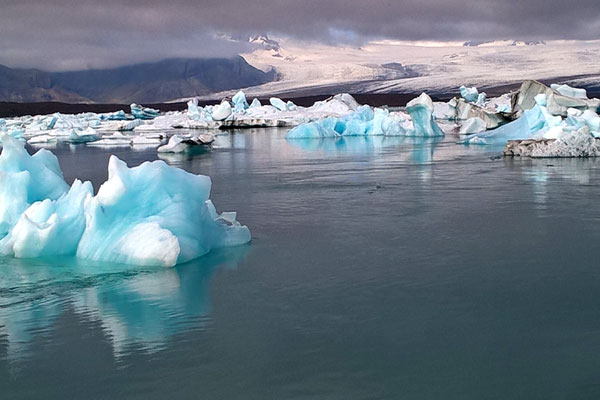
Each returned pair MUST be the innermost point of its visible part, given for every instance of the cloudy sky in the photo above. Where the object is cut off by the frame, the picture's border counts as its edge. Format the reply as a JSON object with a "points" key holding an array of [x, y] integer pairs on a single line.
{"points": [[73, 34]]}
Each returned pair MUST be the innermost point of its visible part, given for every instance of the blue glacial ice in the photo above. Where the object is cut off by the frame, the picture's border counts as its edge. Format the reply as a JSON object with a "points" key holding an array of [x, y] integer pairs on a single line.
{"points": [[470, 94], [239, 102], [278, 104], [367, 121], [152, 214], [140, 112]]}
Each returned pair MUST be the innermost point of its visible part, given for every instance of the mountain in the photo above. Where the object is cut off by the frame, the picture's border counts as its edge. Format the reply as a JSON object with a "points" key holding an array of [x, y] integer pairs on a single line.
{"points": [[142, 83]]}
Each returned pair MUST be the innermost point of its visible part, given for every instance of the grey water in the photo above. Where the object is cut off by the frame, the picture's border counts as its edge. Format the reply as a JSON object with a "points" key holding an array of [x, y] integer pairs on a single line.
{"points": [[380, 268]]}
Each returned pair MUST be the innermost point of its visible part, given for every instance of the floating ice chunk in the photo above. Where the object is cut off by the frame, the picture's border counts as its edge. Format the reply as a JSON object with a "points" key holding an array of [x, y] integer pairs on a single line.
{"points": [[541, 99], [578, 143], [472, 125], [177, 222], [278, 103], [239, 102], [152, 214], [193, 110], [470, 94], [311, 130], [531, 122], [82, 136], [365, 121], [222, 111], [445, 111], [255, 103], [129, 125], [481, 99], [179, 144], [567, 90], [115, 116], [290, 106], [49, 227], [592, 120], [421, 112], [25, 179], [140, 112], [145, 140]]}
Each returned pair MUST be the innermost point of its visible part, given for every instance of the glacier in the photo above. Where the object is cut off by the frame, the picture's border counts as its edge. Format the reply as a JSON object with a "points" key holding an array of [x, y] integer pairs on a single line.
{"points": [[368, 121], [149, 215]]}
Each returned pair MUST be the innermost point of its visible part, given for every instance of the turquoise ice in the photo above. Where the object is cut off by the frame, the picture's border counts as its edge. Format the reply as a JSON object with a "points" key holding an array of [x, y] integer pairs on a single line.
{"points": [[367, 121], [152, 214]]}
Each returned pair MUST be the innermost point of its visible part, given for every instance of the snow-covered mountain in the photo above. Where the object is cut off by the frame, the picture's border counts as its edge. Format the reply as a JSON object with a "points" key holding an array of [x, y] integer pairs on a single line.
{"points": [[395, 66]]}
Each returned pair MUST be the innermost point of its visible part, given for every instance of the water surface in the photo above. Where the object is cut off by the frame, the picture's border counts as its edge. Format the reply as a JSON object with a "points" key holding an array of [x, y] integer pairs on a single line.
{"points": [[379, 268]]}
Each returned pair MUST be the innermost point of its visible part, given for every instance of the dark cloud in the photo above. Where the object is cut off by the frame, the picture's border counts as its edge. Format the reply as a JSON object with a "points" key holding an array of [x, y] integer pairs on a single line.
{"points": [[66, 34]]}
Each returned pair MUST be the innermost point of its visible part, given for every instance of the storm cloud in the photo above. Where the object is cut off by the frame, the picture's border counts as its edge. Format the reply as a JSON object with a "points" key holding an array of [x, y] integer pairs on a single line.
{"points": [[72, 34]]}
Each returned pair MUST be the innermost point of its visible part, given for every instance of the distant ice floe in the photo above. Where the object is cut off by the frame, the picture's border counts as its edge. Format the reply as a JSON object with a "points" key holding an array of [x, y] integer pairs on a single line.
{"points": [[368, 121], [565, 126], [152, 214]]}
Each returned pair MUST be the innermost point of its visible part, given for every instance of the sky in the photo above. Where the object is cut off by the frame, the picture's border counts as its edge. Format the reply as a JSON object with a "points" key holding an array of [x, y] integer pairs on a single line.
{"points": [[81, 34]]}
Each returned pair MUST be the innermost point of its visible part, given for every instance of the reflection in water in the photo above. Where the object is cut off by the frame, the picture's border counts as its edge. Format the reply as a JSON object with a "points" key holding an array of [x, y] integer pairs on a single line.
{"points": [[544, 172], [133, 306], [422, 148]]}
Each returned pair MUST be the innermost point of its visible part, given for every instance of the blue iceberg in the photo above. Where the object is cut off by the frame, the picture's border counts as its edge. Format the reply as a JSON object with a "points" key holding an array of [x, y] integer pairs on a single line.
{"points": [[140, 112], [366, 121], [152, 214], [239, 102]]}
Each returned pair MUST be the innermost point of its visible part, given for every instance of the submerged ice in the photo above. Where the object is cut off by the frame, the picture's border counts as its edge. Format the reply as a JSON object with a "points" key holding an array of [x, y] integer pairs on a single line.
{"points": [[152, 214]]}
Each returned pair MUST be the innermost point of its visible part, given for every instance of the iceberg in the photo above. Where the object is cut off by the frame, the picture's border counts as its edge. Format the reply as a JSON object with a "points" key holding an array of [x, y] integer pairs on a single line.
{"points": [[150, 215], [239, 102], [278, 103], [222, 111], [470, 94], [579, 143], [567, 90], [539, 122], [421, 112], [180, 144], [472, 125], [366, 121], [140, 112]]}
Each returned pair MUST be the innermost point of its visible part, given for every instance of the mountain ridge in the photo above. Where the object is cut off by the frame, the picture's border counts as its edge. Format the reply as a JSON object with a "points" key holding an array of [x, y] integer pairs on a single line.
{"points": [[151, 82]]}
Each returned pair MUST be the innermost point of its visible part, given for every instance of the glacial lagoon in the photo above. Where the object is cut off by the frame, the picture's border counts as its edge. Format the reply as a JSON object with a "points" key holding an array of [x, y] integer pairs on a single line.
{"points": [[379, 267]]}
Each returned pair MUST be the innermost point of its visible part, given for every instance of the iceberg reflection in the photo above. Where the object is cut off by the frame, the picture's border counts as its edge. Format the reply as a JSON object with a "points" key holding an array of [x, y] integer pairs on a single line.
{"points": [[422, 149], [134, 307]]}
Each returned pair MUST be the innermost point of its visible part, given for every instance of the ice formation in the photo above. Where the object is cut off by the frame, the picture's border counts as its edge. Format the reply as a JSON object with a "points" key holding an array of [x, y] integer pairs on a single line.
{"points": [[473, 125], [278, 104], [152, 214], [367, 121], [470, 94], [140, 112], [548, 118], [579, 143], [239, 102], [146, 126], [222, 111], [180, 144]]}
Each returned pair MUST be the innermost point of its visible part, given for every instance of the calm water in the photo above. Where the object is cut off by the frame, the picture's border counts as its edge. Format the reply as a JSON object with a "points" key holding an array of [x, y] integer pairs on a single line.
{"points": [[381, 268]]}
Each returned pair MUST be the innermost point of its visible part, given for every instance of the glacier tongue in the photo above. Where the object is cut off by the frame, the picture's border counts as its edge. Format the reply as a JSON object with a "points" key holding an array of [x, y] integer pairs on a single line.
{"points": [[152, 214]]}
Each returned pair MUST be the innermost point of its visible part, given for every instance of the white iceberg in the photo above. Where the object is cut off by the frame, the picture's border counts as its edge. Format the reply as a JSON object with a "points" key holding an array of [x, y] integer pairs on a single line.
{"points": [[152, 214]]}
